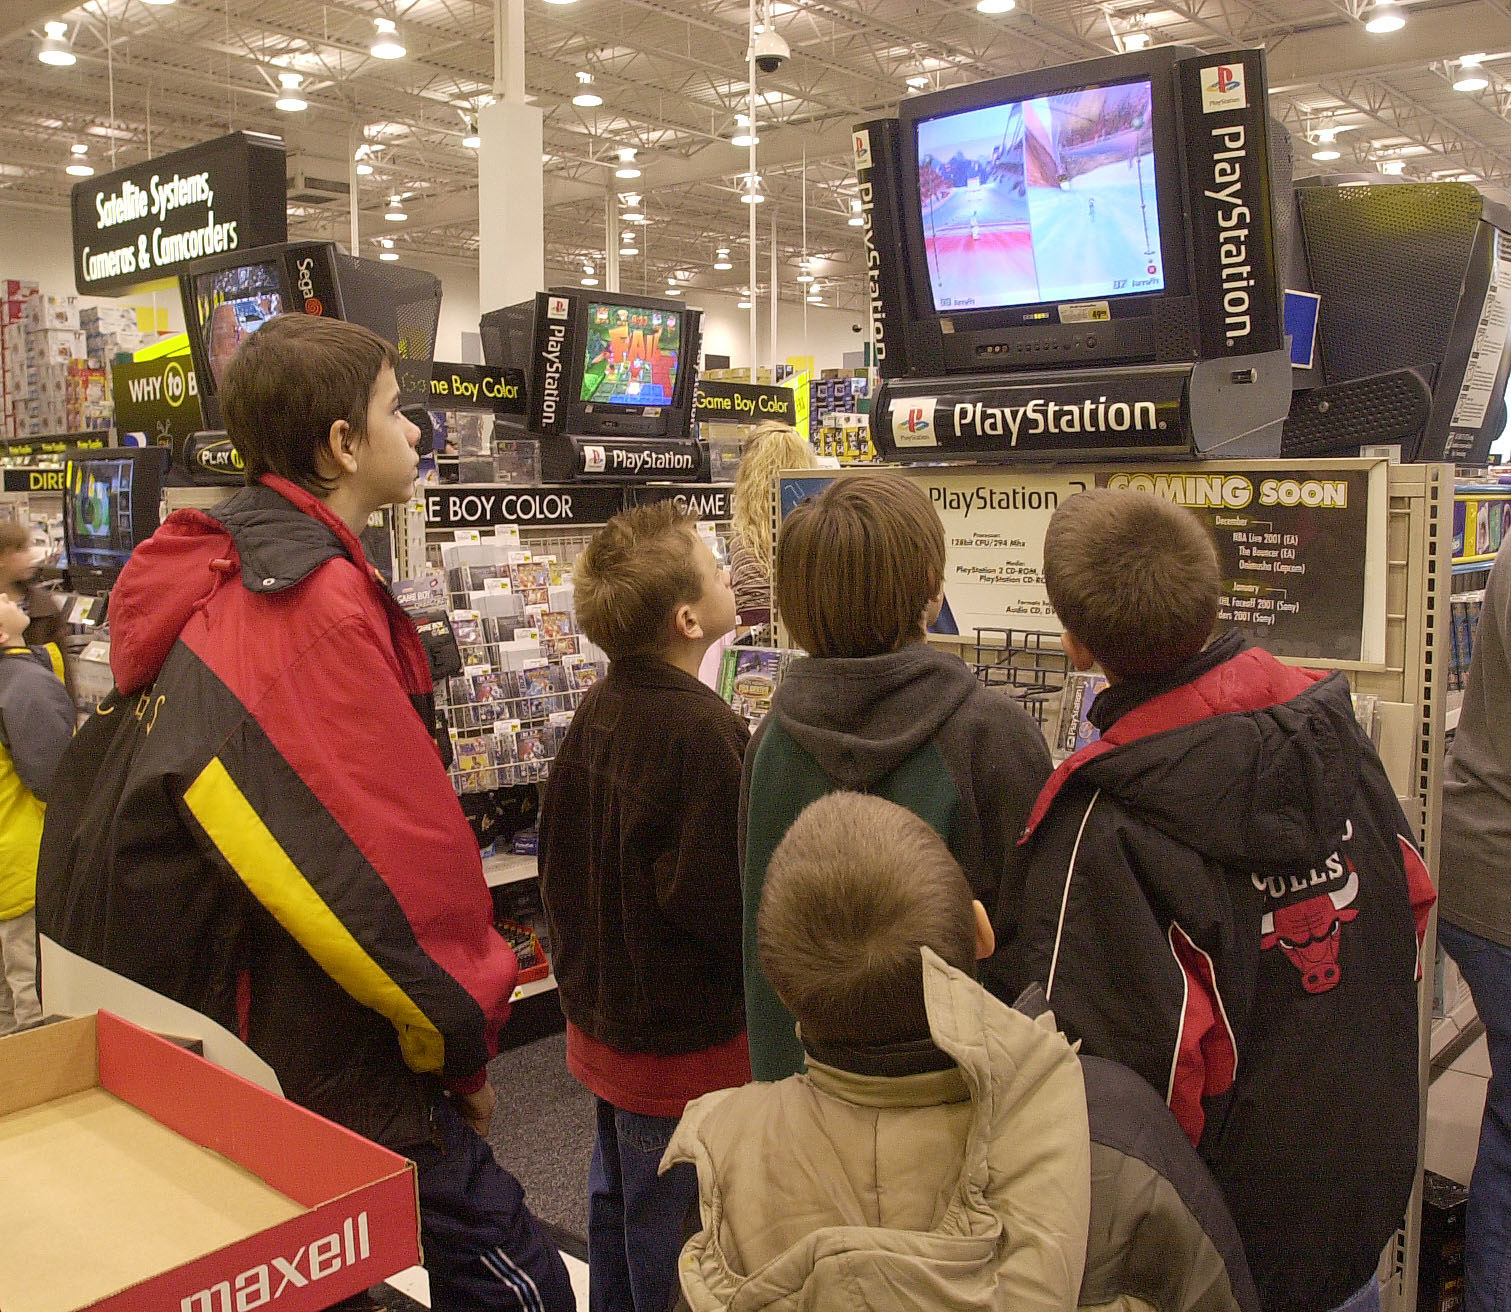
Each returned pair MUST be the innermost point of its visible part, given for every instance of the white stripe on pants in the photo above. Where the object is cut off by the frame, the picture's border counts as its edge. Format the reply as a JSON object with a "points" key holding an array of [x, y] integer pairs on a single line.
{"points": [[18, 973]]}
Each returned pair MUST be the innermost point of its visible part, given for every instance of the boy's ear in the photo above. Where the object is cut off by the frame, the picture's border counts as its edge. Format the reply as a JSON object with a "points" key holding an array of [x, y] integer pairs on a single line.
{"points": [[986, 936], [1079, 653], [339, 445], [685, 624]]}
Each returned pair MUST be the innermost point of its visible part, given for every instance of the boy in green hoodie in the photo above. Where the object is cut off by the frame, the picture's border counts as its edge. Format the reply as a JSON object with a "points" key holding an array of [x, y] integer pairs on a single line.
{"points": [[875, 709]]}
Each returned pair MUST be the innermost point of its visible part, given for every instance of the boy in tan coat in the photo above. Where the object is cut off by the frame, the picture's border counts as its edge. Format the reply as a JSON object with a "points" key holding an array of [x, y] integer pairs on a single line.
{"points": [[937, 1153]]}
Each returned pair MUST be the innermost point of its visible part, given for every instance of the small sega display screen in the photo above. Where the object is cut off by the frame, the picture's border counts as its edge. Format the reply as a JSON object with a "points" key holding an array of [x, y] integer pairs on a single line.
{"points": [[632, 355], [100, 531], [233, 304], [1048, 199]]}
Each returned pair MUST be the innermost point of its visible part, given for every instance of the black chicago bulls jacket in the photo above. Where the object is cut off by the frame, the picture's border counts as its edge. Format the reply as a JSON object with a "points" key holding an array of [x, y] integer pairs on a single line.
{"points": [[1223, 894]]}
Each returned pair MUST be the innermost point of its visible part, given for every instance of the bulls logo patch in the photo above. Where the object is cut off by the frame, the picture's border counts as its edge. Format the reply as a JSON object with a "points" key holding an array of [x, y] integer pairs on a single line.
{"points": [[1308, 930]]}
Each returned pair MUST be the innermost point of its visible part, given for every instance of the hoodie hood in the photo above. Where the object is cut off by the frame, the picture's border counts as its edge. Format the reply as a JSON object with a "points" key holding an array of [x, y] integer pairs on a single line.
{"points": [[841, 1161], [1250, 786], [272, 534], [862, 718]]}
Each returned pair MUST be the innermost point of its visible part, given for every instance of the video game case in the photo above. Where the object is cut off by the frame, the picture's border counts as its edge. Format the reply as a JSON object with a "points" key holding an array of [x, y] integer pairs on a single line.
{"points": [[749, 677], [427, 592], [1073, 730]]}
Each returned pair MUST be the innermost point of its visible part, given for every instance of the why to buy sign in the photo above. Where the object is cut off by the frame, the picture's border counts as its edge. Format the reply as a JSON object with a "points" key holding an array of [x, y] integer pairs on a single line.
{"points": [[159, 398], [141, 225]]}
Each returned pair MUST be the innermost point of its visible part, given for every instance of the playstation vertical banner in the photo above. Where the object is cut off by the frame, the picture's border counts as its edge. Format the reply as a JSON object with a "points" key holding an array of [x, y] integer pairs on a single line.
{"points": [[1224, 102], [876, 165], [555, 319]]}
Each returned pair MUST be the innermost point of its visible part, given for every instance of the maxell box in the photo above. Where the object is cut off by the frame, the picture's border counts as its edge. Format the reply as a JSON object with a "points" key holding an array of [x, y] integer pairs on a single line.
{"points": [[142, 1178]]}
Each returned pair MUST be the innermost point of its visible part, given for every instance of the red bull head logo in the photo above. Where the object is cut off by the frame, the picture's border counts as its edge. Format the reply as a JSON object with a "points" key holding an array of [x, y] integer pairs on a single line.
{"points": [[1307, 932]]}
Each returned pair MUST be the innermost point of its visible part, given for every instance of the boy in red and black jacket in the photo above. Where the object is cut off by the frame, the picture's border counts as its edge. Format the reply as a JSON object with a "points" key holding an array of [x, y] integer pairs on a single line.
{"points": [[640, 874], [1223, 894], [257, 822]]}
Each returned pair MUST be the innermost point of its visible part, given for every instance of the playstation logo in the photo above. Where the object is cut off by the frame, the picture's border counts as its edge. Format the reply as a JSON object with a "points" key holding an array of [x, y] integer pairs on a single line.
{"points": [[1223, 87], [913, 421]]}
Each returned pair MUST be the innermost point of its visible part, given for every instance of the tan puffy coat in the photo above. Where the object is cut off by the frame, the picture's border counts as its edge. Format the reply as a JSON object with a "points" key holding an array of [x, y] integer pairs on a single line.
{"points": [[838, 1191]]}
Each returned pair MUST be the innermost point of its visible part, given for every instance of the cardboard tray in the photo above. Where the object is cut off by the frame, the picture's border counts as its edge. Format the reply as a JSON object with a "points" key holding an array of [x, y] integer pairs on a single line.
{"points": [[138, 1177]]}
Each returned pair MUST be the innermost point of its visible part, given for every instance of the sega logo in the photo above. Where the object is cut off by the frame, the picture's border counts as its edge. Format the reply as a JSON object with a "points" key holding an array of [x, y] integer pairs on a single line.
{"points": [[1223, 87]]}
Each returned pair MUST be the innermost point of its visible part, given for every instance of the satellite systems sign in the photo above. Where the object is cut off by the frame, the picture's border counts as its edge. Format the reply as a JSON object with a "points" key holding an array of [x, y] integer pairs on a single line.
{"points": [[140, 225]]}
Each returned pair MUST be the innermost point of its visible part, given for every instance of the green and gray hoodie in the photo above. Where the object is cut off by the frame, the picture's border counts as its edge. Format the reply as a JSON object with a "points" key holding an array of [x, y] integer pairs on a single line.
{"points": [[913, 726]]}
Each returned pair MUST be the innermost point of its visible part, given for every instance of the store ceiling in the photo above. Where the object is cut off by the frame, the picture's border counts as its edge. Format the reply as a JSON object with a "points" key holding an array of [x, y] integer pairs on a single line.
{"points": [[153, 78]]}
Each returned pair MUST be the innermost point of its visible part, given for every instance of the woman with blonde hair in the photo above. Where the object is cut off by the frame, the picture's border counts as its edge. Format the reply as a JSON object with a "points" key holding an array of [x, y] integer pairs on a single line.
{"points": [[771, 448]]}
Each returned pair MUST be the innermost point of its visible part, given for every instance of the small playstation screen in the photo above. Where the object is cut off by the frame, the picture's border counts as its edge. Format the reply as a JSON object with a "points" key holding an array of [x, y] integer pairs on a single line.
{"points": [[632, 355]]}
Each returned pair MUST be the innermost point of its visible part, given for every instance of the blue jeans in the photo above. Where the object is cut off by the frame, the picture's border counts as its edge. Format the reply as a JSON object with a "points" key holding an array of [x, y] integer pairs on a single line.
{"points": [[635, 1217], [1486, 968]]}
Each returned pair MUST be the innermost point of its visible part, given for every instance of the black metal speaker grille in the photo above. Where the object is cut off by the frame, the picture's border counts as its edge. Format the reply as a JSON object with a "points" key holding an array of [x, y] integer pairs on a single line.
{"points": [[1175, 329], [1388, 262], [402, 306], [1341, 418]]}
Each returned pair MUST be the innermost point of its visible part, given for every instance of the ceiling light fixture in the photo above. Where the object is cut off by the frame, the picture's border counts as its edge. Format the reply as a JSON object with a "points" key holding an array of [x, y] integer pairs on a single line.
{"points": [[856, 219], [386, 45], [55, 49], [674, 291], [1393, 167], [157, 2], [742, 305], [1385, 16], [78, 166], [626, 167], [291, 102], [919, 81], [723, 265], [395, 211], [1136, 40], [588, 282], [1470, 78], [721, 258], [388, 255], [1325, 154], [805, 277], [629, 250], [995, 6], [364, 170], [744, 139], [472, 141], [386, 243], [585, 99]]}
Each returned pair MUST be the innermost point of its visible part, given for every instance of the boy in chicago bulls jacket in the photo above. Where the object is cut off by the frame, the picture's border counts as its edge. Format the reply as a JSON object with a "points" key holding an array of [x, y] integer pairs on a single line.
{"points": [[1223, 894]]}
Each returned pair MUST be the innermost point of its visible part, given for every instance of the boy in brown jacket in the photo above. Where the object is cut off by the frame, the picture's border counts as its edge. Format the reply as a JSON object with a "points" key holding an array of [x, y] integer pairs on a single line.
{"points": [[640, 876]]}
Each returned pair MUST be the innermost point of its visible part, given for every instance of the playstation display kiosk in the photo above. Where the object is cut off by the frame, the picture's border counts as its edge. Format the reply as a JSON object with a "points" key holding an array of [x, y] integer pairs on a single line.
{"points": [[1077, 279], [610, 380]]}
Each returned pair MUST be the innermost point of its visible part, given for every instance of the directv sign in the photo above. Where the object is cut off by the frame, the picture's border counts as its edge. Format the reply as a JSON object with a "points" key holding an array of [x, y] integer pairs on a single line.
{"points": [[140, 226]]}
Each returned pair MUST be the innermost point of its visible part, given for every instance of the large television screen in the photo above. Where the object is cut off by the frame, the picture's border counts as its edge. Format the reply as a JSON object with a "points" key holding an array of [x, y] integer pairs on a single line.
{"points": [[234, 303], [631, 356], [1041, 200]]}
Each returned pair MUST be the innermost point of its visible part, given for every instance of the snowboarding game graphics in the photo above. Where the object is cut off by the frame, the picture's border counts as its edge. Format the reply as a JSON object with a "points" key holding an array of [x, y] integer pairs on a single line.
{"points": [[1049, 199], [632, 355]]}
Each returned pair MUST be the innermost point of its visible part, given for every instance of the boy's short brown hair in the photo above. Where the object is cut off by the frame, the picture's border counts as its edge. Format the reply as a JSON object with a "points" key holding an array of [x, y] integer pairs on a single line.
{"points": [[289, 382], [631, 577], [1134, 577], [854, 890], [857, 565]]}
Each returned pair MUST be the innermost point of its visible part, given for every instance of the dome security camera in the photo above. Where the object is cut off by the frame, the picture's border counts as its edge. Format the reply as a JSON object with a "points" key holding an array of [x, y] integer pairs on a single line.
{"points": [[856, 328], [770, 50]]}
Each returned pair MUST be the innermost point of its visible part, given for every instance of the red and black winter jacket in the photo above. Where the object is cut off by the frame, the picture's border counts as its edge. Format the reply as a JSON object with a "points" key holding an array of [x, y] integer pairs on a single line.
{"points": [[257, 822], [1224, 895]]}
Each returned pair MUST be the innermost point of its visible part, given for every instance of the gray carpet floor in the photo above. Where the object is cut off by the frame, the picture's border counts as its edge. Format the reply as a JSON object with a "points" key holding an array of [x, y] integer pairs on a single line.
{"points": [[543, 1132]]}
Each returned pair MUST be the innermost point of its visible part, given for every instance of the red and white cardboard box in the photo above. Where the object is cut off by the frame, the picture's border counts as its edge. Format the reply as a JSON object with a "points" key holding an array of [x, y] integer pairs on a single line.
{"points": [[139, 1177]]}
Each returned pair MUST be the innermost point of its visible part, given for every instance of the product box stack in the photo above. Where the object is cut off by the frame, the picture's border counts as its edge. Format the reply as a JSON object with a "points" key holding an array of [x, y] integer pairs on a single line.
{"points": [[112, 330], [52, 385], [12, 355], [837, 391], [846, 437]]}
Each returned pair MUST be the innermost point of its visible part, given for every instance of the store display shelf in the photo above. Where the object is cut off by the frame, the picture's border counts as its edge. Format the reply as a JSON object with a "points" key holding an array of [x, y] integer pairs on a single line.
{"points": [[1447, 1028], [532, 988], [508, 868], [1470, 566], [1454, 703]]}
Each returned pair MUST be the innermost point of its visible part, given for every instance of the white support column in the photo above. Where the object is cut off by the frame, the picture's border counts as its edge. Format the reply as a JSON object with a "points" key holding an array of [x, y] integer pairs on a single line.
{"points": [[611, 239], [511, 185], [774, 293], [353, 139]]}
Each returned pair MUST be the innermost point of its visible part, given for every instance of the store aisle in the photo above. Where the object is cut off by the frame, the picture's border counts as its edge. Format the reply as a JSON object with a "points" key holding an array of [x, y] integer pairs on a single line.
{"points": [[1455, 1104]]}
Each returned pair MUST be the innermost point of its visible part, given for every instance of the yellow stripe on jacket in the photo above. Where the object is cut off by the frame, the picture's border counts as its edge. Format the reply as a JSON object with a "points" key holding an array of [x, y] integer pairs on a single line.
{"points": [[275, 881], [20, 840]]}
